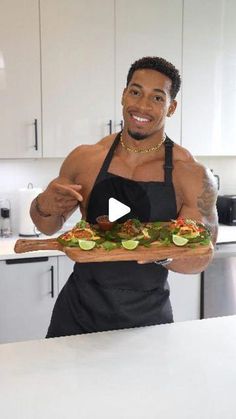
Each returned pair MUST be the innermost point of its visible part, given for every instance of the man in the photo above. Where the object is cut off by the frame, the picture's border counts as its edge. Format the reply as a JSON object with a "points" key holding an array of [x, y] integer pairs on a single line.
{"points": [[156, 178]]}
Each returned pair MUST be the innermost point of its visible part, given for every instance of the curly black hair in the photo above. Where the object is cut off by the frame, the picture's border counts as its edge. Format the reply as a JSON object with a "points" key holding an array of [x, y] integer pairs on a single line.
{"points": [[161, 65]]}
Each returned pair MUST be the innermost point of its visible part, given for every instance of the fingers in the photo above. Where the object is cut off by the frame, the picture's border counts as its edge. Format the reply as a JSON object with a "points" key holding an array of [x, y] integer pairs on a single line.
{"points": [[71, 190], [142, 262], [60, 199], [66, 204]]}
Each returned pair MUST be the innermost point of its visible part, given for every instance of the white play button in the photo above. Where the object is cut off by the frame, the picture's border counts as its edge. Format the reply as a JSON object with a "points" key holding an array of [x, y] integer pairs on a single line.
{"points": [[116, 209]]}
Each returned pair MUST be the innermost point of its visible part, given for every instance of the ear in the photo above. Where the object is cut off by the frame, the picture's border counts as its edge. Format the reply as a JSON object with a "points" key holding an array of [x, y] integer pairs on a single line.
{"points": [[123, 94], [172, 108]]}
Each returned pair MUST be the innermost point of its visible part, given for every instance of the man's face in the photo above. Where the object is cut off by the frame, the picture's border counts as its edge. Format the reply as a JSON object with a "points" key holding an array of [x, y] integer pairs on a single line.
{"points": [[146, 103]]}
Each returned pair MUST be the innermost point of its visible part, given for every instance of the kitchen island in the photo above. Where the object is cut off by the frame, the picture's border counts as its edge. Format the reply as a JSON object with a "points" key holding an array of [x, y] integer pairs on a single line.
{"points": [[183, 370]]}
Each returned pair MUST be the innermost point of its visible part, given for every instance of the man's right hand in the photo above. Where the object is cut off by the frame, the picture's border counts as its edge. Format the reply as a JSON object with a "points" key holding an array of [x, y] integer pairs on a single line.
{"points": [[60, 199]]}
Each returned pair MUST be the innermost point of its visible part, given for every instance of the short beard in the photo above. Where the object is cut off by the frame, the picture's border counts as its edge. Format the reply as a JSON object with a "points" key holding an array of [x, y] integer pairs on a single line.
{"points": [[137, 135]]}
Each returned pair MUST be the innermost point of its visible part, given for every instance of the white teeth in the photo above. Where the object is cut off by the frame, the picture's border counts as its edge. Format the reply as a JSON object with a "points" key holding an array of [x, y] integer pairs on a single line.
{"points": [[140, 119]]}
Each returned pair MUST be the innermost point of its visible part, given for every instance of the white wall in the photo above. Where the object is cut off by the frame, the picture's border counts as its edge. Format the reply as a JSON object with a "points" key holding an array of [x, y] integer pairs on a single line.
{"points": [[225, 167], [16, 174]]}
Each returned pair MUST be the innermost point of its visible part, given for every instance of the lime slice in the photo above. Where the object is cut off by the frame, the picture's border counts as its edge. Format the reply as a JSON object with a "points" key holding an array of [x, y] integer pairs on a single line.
{"points": [[130, 244], [178, 240], [86, 244]]}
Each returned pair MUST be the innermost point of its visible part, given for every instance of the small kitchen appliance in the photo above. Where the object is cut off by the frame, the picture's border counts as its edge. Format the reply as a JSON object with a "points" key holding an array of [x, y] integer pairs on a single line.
{"points": [[226, 207], [5, 221], [5, 224]]}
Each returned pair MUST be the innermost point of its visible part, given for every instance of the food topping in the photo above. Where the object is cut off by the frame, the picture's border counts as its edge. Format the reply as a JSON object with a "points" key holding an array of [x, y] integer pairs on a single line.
{"points": [[131, 227], [133, 233]]}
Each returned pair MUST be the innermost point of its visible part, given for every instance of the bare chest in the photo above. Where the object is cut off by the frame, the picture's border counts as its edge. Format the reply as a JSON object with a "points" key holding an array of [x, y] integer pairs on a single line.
{"points": [[146, 172]]}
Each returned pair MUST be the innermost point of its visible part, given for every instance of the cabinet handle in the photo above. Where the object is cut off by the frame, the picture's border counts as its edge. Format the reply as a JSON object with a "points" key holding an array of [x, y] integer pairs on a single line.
{"points": [[121, 125], [36, 134], [110, 126], [26, 260], [52, 281]]}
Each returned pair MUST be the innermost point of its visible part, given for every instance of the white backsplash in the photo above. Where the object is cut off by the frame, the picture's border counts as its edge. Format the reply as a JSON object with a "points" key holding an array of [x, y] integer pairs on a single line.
{"points": [[225, 167], [17, 173]]}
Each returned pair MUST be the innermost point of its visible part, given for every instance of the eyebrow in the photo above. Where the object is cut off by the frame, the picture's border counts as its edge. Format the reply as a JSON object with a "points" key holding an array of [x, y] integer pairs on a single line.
{"points": [[141, 87]]}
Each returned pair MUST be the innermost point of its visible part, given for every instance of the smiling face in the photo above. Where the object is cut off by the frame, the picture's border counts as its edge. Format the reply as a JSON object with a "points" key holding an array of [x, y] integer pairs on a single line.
{"points": [[146, 103]]}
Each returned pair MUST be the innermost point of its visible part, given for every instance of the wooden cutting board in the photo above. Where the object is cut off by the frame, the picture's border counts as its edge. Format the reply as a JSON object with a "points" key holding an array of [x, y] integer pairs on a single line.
{"points": [[155, 252]]}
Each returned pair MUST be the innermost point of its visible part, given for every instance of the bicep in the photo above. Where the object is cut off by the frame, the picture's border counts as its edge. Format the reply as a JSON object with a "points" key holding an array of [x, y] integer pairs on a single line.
{"points": [[199, 202], [70, 167]]}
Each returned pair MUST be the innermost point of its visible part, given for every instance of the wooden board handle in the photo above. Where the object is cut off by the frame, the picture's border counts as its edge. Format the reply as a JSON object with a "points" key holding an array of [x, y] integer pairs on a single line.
{"points": [[28, 245]]}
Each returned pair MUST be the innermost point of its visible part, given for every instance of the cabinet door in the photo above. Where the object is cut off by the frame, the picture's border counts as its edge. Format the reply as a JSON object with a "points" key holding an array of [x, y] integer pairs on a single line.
{"points": [[209, 89], [20, 115], [185, 296], [148, 28], [28, 289], [65, 268], [77, 73]]}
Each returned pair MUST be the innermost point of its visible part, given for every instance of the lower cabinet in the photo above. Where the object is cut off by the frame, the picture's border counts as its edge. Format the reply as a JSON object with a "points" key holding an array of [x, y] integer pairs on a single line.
{"points": [[29, 288], [28, 291], [185, 296], [65, 268]]}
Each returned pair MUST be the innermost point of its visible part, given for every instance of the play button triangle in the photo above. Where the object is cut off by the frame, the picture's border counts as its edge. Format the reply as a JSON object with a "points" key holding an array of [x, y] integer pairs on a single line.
{"points": [[116, 209]]}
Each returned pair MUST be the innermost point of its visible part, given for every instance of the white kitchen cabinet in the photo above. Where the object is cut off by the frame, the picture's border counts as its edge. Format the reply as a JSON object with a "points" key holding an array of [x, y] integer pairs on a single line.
{"points": [[77, 73], [20, 115], [209, 76], [185, 296], [28, 290], [85, 60], [148, 28], [65, 269]]}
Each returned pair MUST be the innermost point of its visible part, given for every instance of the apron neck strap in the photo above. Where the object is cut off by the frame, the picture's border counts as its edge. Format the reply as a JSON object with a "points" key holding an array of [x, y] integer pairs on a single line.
{"points": [[168, 166], [109, 155]]}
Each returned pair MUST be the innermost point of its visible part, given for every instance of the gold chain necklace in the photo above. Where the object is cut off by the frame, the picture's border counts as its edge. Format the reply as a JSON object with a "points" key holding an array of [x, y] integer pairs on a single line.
{"points": [[142, 150]]}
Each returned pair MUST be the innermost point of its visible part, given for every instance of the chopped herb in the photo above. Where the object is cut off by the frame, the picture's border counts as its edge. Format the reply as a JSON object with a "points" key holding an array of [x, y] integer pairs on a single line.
{"points": [[107, 245], [81, 224]]}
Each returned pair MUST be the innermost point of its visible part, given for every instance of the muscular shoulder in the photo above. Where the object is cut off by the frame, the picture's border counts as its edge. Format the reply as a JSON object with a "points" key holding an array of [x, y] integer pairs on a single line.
{"points": [[185, 165], [91, 150], [85, 157], [194, 182], [181, 154], [190, 176]]}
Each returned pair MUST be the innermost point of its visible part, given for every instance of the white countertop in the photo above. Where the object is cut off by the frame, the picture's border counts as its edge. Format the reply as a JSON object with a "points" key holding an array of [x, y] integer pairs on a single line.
{"points": [[178, 371], [226, 234]]}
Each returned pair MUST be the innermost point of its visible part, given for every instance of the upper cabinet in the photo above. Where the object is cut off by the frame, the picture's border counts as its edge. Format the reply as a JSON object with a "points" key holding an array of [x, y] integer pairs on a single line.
{"points": [[77, 73], [209, 77], [20, 106], [87, 49], [70, 59], [148, 28]]}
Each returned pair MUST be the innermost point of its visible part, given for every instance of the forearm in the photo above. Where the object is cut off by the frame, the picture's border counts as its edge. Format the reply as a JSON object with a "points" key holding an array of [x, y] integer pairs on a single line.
{"points": [[190, 265], [47, 225]]}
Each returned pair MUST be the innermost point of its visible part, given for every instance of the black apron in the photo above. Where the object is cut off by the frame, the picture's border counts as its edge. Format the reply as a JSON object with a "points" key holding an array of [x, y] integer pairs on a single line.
{"points": [[114, 295]]}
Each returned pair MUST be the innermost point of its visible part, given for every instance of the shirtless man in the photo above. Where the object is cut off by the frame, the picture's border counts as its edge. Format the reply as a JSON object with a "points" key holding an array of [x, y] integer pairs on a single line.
{"points": [[156, 178]]}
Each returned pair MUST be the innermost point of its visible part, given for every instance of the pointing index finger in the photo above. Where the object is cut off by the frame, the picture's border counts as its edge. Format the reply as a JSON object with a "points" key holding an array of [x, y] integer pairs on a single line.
{"points": [[70, 189]]}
